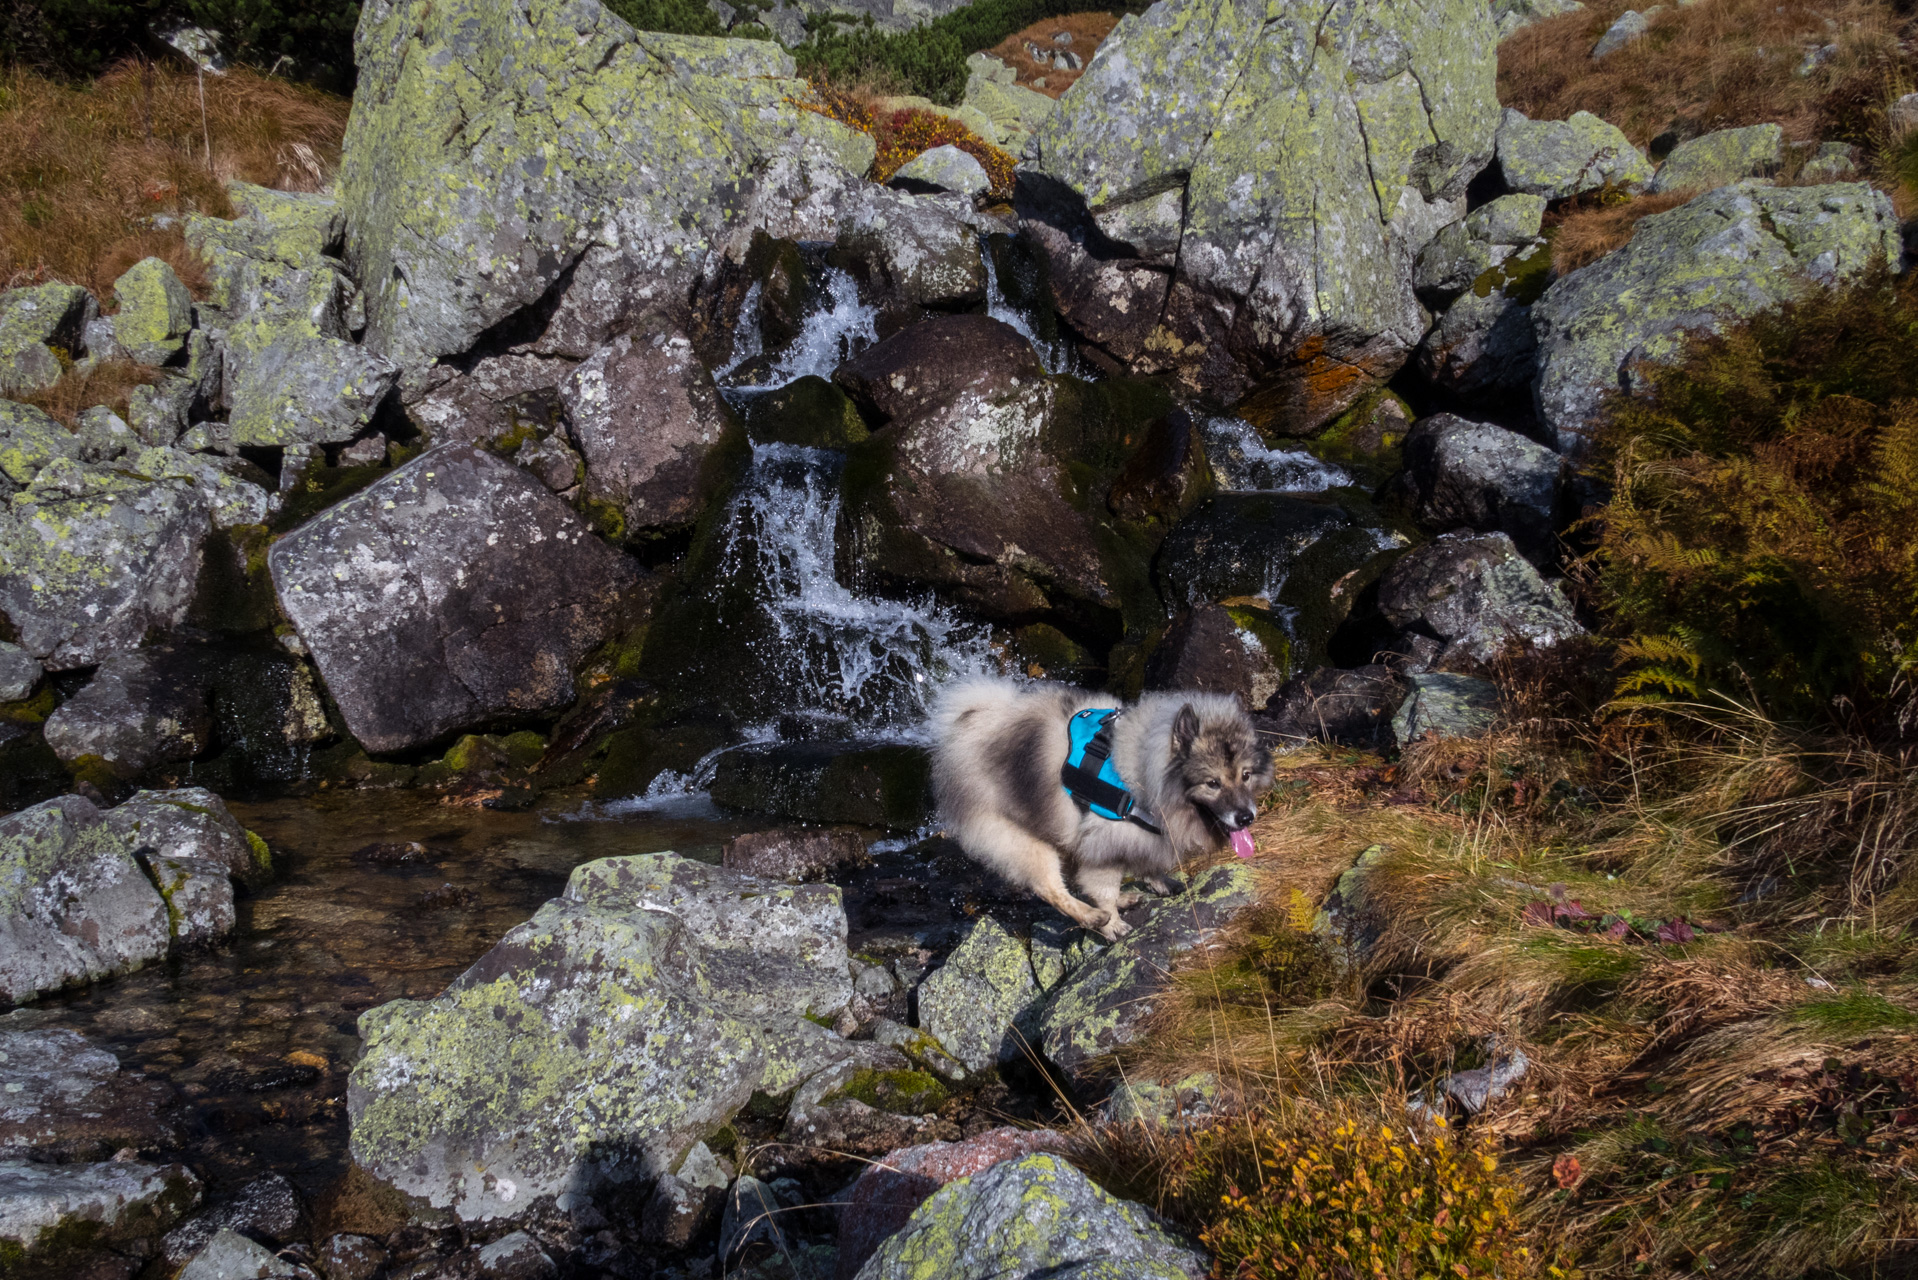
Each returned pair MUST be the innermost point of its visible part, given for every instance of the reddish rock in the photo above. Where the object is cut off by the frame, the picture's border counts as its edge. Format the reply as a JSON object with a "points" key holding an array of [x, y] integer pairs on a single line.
{"points": [[794, 853], [890, 1189]]}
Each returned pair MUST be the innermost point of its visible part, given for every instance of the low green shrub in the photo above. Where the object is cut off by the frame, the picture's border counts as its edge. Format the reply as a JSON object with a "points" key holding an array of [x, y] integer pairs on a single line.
{"points": [[310, 40]]}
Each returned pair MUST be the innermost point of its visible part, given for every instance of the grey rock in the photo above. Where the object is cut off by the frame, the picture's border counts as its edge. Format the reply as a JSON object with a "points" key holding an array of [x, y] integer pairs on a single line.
{"points": [[1903, 115], [647, 419], [974, 1003], [1443, 704], [1475, 475], [231, 1256], [1512, 15], [29, 440], [490, 399], [516, 1257], [685, 1202], [369, 451], [992, 89], [1164, 1105], [228, 485], [74, 905], [32, 322], [158, 412], [1724, 256], [1467, 249], [1476, 1089], [199, 899], [268, 1209], [1559, 158], [92, 559], [1831, 162], [454, 591], [104, 435], [139, 711], [1031, 1217], [595, 1044], [924, 248], [1631, 25], [62, 1100], [113, 1204], [751, 1217], [156, 311], [553, 461], [874, 981], [944, 168], [1211, 650], [1484, 344], [1474, 594], [351, 1257], [98, 339], [1351, 920], [1709, 162], [19, 673]]}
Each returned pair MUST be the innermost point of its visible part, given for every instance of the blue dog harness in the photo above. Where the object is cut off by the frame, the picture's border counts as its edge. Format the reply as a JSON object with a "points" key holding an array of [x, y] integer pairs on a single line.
{"points": [[1090, 777]]}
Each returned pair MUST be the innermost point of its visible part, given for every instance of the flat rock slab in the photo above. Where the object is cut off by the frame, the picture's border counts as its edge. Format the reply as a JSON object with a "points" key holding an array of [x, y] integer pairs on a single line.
{"points": [[63, 1099], [51, 1211], [453, 592]]}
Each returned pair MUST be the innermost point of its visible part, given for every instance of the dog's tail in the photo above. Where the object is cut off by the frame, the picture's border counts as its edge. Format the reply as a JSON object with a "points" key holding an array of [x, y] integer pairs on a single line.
{"points": [[966, 697]]}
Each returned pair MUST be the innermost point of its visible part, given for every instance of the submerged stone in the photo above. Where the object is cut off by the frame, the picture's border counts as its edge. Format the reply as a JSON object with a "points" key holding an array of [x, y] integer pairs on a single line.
{"points": [[65, 1100]]}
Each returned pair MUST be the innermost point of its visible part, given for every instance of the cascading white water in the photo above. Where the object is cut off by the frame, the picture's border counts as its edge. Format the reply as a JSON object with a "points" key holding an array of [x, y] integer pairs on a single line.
{"points": [[1243, 463], [1056, 356], [831, 334]]}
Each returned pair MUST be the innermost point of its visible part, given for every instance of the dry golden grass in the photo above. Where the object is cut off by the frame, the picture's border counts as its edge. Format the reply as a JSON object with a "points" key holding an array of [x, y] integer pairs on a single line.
{"points": [[1716, 64], [1087, 30], [109, 384], [1584, 235], [94, 178]]}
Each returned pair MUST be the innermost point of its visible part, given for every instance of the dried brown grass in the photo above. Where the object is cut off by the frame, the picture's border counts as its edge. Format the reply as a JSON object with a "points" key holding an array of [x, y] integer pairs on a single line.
{"points": [[1087, 30], [1586, 234], [109, 383], [1716, 64], [93, 178]]}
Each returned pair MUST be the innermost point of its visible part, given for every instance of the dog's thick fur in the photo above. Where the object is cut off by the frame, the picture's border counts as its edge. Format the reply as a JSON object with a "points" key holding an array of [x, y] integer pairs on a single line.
{"points": [[1192, 759]]}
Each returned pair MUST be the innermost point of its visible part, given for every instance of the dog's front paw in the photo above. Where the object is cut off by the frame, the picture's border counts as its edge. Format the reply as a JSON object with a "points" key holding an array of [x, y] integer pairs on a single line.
{"points": [[1129, 900], [1115, 929]]}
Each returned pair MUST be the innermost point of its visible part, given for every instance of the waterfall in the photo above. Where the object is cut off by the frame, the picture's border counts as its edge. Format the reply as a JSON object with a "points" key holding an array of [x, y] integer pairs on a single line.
{"points": [[1243, 463], [840, 326], [1056, 356]]}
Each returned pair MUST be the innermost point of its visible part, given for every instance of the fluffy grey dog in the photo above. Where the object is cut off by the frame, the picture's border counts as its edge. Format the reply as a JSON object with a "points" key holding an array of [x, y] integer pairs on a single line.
{"points": [[1191, 759]]}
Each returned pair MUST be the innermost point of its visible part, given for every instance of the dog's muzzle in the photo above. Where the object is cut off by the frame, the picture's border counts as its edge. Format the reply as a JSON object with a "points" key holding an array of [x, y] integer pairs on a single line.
{"points": [[1238, 819]]}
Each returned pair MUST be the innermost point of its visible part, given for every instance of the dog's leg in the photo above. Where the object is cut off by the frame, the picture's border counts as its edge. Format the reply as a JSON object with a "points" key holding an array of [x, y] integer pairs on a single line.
{"points": [[1101, 884], [1161, 885], [1021, 856]]}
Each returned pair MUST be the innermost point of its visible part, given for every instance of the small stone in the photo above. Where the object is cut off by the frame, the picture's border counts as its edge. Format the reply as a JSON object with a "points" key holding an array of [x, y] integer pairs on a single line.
{"points": [[19, 672], [1631, 25], [367, 452], [1445, 705], [1559, 158], [553, 461], [874, 982], [29, 440], [944, 168], [156, 311], [516, 1257], [231, 1256], [104, 435], [199, 899], [350, 1257], [1163, 1106], [1831, 162]]}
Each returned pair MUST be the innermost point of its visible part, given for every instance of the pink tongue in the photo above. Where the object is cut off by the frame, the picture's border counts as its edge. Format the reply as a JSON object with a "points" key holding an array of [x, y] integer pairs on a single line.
{"points": [[1242, 843]]}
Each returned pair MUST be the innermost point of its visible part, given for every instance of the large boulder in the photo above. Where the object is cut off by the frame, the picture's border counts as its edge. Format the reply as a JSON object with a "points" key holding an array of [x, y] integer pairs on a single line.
{"points": [[71, 1101], [33, 322], [1558, 158], [922, 250], [1249, 184], [493, 142], [139, 711], [192, 823], [74, 904], [1239, 650], [1463, 253], [1460, 599], [1707, 162], [973, 1003], [156, 311], [1028, 1218], [593, 1046], [56, 1218], [1475, 475], [1724, 256], [456, 591], [29, 440], [92, 558]]}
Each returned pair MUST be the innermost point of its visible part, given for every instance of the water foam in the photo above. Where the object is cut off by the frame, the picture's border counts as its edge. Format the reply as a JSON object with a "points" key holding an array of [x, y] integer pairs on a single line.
{"points": [[1243, 463]]}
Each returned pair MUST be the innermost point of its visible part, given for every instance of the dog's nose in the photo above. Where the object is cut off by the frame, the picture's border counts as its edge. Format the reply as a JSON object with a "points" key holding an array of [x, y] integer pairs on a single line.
{"points": [[1242, 819]]}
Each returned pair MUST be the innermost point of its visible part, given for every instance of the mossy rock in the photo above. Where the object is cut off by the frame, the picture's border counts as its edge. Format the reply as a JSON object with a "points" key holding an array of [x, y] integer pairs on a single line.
{"points": [[809, 411], [904, 1093], [1367, 439]]}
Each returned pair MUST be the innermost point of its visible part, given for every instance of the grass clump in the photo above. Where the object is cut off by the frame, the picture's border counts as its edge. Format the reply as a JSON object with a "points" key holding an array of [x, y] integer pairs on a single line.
{"points": [[1587, 231], [901, 134]]}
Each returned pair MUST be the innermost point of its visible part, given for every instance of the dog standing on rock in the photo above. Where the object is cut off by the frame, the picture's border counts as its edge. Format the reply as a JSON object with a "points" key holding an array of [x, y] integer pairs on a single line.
{"points": [[1190, 763]]}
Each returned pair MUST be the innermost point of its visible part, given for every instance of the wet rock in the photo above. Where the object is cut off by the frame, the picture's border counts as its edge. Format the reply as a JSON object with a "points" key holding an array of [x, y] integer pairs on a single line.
{"points": [[887, 1191], [492, 399], [29, 771], [268, 1209], [1030, 1217], [974, 1003], [1444, 705], [794, 853], [65, 1100], [454, 592], [199, 899], [1105, 1003], [1166, 476], [1189, 146], [1714, 159], [51, 1213], [868, 784], [192, 822], [1559, 158], [926, 368], [29, 440], [1241, 651], [1482, 346], [74, 905], [809, 412], [351, 1257], [1631, 25], [685, 1203], [231, 1256], [1352, 708], [944, 168], [1724, 256], [922, 250], [1474, 594], [141, 709], [92, 559], [19, 673], [1474, 475], [648, 421], [32, 322], [595, 1044], [156, 311], [516, 1257]]}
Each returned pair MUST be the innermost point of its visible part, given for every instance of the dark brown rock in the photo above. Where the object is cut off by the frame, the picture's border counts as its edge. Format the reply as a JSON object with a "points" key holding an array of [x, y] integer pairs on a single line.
{"points": [[794, 853], [1211, 651], [1166, 476], [1353, 708], [932, 364], [498, 394]]}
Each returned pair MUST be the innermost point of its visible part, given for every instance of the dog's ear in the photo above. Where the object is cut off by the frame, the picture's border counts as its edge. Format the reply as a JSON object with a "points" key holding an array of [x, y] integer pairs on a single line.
{"points": [[1185, 728]]}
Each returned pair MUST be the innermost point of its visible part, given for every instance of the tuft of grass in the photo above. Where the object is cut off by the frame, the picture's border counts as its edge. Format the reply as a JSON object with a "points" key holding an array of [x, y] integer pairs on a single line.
{"points": [[1586, 233], [1856, 1012], [109, 383], [94, 177]]}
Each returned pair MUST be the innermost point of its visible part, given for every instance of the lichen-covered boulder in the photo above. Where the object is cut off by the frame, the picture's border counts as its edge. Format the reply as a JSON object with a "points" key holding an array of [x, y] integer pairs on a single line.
{"points": [[156, 311], [595, 1044], [944, 168], [58, 1215], [29, 440], [923, 249], [231, 487], [1559, 158], [74, 905], [192, 823], [453, 592], [1476, 475], [1461, 598], [493, 141], [1032, 1217], [1722, 257], [71, 1101], [275, 231], [19, 673], [1267, 172], [992, 89], [198, 896], [1443, 704], [141, 709], [649, 423], [974, 1003], [92, 558], [32, 322], [1714, 159], [1105, 1003], [1466, 250]]}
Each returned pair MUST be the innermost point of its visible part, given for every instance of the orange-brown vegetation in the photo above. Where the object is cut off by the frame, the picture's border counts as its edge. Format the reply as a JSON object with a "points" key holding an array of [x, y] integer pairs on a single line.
{"points": [[1585, 233], [903, 133], [109, 383], [95, 177], [1717, 64], [1086, 30]]}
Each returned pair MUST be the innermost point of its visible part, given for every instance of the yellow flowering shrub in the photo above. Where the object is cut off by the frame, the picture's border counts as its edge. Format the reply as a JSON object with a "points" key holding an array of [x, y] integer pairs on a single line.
{"points": [[1342, 1196]]}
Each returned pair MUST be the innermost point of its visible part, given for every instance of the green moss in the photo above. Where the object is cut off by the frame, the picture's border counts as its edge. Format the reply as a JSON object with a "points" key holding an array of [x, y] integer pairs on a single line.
{"points": [[32, 710], [1367, 439], [95, 771], [523, 749], [906, 1093], [607, 519], [262, 853], [1521, 279], [1272, 636], [322, 488]]}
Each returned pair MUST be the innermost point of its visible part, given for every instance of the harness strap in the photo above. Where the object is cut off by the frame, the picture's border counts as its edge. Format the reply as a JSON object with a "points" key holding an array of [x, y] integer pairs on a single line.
{"points": [[1087, 788]]}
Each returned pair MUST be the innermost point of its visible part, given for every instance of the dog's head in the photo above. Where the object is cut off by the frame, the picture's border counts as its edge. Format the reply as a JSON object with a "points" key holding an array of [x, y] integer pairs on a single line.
{"points": [[1219, 762]]}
